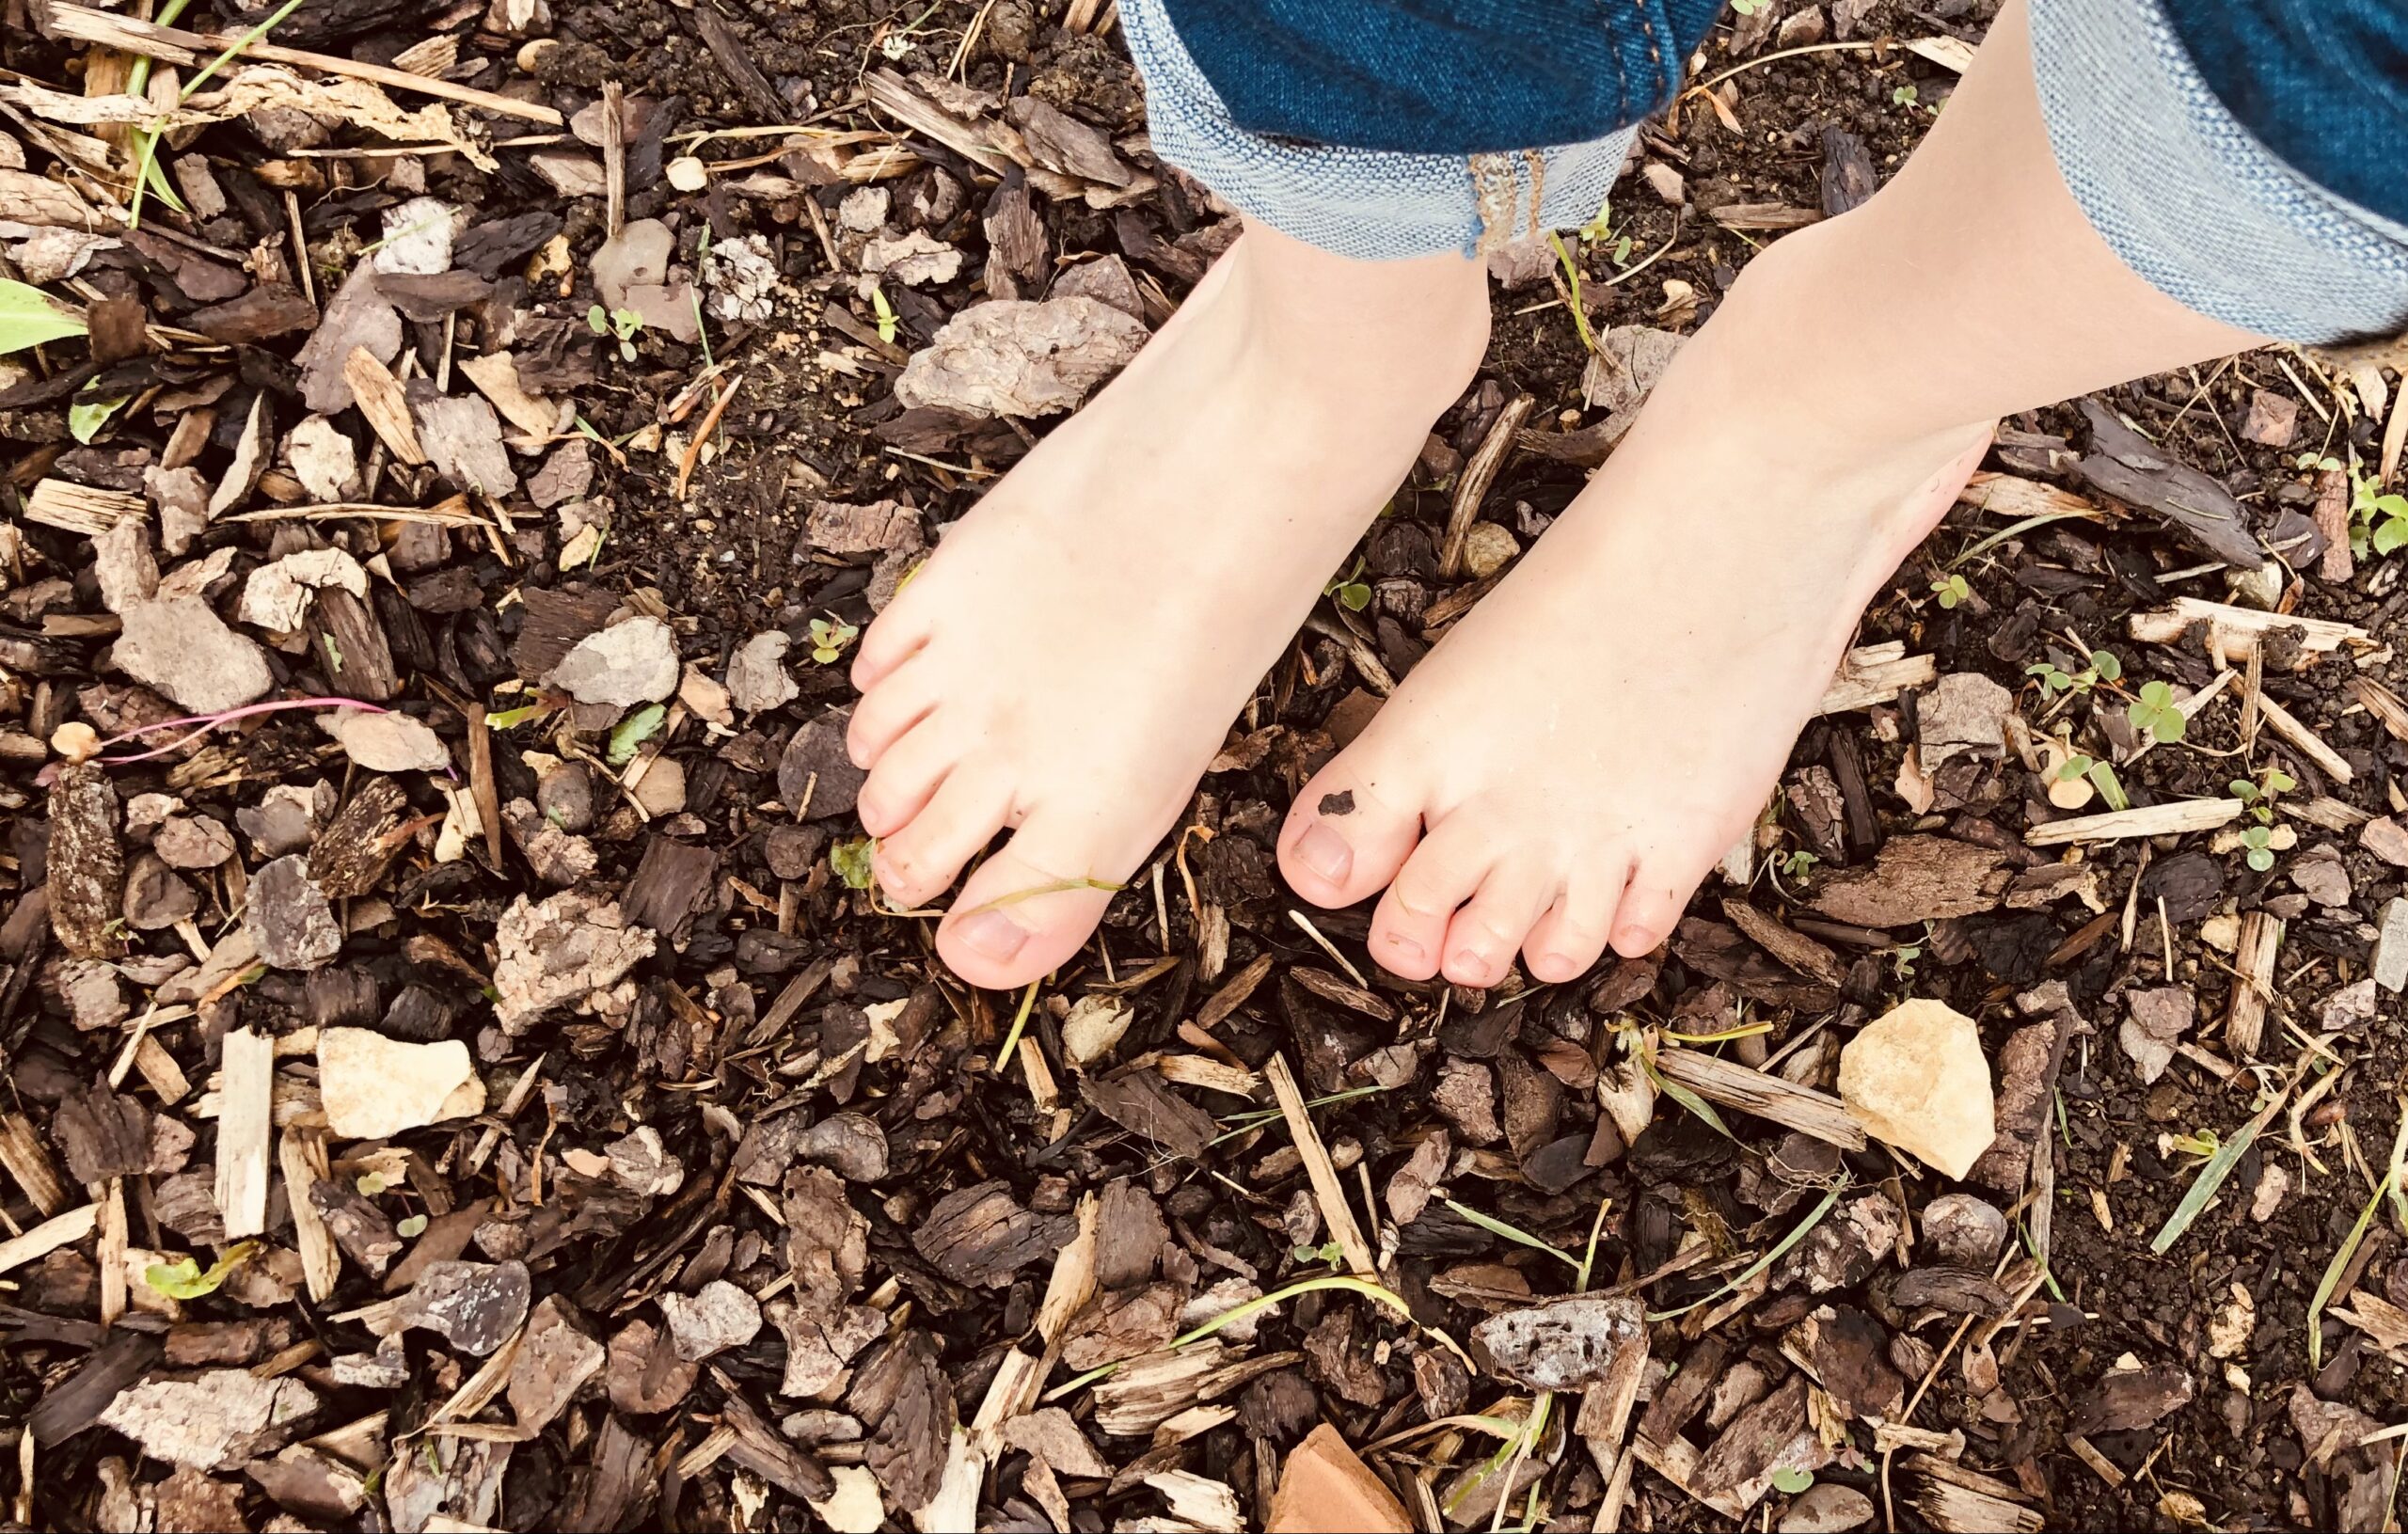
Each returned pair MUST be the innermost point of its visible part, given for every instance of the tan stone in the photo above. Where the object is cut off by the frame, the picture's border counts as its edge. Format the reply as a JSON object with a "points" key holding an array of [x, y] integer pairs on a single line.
{"points": [[1326, 1486], [372, 1086], [1916, 1079]]}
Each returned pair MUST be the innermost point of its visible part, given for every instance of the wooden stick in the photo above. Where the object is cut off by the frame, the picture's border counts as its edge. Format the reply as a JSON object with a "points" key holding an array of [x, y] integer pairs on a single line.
{"points": [[2286, 724], [80, 508], [2150, 820], [1734, 1085], [247, 1102], [2234, 632], [1876, 674], [48, 1237], [2254, 959], [173, 45], [301, 1154], [379, 396], [1329, 1192], [21, 1153], [1471, 487]]}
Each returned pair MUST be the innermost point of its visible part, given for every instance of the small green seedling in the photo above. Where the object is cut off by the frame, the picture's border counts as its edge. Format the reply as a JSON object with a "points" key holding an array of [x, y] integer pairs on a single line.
{"points": [[852, 861], [633, 731], [2154, 712], [622, 323], [2381, 520], [184, 1279], [1352, 591], [1790, 1479], [1952, 591], [410, 1226], [2204, 1145], [1326, 1254], [1903, 96], [1796, 864], [2257, 851], [1600, 231], [2260, 796], [828, 641], [2055, 679], [886, 312]]}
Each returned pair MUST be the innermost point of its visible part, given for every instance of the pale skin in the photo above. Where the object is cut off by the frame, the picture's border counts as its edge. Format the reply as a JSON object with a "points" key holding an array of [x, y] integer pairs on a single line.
{"points": [[1561, 771]]}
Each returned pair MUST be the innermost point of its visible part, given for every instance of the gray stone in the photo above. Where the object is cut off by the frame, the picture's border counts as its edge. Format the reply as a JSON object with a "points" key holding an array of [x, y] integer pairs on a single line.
{"points": [[2391, 948], [626, 664], [288, 917]]}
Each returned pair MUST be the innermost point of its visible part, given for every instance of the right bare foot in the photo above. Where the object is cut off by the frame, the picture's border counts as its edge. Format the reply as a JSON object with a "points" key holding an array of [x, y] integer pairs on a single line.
{"points": [[1069, 659]]}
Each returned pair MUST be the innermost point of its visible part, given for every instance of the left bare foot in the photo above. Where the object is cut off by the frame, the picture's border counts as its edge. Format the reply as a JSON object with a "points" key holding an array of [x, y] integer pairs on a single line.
{"points": [[1565, 768]]}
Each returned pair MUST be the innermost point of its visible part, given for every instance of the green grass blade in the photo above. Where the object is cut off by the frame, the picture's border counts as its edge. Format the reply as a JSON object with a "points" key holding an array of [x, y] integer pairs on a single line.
{"points": [[1498, 1228], [2210, 1178], [1814, 1218], [2333, 1271]]}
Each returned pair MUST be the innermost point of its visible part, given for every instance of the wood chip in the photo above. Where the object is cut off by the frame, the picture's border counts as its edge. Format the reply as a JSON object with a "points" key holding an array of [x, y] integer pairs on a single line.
{"points": [[245, 1105], [1329, 1192]]}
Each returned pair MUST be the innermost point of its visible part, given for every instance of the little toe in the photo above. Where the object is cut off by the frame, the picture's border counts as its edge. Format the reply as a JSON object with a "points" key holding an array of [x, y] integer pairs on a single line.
{"points": [[917, 863], [1409, 928], [904, 778], [1344, 840], [1031, 906], [1482, 935], [1571, 937], [885, 712]]}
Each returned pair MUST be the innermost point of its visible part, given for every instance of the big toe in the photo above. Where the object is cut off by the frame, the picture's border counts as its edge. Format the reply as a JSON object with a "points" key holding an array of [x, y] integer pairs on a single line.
{"points": [[1345, 838], [1031, 906]]}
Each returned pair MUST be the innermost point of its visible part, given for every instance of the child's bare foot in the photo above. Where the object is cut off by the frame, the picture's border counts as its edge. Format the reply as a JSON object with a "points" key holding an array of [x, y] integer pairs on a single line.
{"points": [[1068, 661], [1563, 771], [1565, 768]]}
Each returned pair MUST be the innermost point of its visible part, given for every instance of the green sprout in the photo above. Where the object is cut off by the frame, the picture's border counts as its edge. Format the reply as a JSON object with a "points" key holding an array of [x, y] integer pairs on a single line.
{"points": [[886, 312], [2055, 680], [1952, 591], [633, 731], [1790, 1479], [622, 323], [1796, 863], [2260, 853], [851, 860], [1905, 95], [2260, 796], [2154, 712], [1352, 591], [828, 641]]}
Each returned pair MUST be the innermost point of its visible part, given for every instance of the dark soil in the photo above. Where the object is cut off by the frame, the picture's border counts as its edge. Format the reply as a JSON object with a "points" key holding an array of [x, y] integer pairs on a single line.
{"points": [[852, 1145]]}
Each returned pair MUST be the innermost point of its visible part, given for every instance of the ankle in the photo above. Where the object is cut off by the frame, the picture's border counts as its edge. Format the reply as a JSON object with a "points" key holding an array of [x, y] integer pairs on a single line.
{"points": [[1421, 323]]}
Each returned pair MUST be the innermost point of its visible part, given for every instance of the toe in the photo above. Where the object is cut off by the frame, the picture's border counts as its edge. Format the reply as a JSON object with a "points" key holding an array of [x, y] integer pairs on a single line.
{"points": [[1031, 906], [1409, 928], [904, 778], [916, 864], [1483, 935], [1650, 905], [1572, 935], [1345, 838], [902, 700], [894, 639]]}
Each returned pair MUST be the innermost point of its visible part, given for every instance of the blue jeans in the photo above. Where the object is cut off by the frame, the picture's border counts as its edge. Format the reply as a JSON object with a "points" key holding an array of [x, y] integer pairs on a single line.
{"points": [[2190, 196]]}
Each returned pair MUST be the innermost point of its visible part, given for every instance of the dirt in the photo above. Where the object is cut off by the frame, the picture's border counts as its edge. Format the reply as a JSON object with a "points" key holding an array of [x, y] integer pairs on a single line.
{"points": [[751, 1086]]}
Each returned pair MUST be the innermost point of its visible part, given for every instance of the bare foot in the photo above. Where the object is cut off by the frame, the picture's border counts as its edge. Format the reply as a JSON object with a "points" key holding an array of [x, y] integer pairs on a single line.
{"points": [[1563, 771], [1073, 655]]}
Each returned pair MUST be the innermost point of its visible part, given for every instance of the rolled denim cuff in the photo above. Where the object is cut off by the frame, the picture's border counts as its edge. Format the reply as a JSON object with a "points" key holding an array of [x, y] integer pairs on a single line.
{"points": [[1367, 204], [2190, 199]]}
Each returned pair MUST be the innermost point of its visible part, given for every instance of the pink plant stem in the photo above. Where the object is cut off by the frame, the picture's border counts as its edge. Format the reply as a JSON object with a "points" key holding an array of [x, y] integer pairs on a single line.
{"points": [[210, 722]]}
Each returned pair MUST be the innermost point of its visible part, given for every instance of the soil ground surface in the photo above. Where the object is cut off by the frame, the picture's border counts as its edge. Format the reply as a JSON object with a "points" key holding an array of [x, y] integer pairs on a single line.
{"points": [[507, 1106]]}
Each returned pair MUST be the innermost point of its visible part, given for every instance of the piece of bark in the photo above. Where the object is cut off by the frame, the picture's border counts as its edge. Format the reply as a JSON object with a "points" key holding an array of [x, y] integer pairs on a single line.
{"points": [[1130, 1233], [556, 622], [2129, 466], [1796, 950], [1141, 1102], [101, 1134], [1721, 953], [645, 1373], [981, 1236], [2254, 979], [2028, 1063], [1914, 879], [349, 858], [817, 778], [352, 643], [670, 884], [86, 868]]}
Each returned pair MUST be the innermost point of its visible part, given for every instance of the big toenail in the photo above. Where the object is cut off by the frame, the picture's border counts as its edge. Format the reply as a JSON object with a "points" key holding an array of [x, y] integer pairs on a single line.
{"points": [[1404, 948], [991, 935], [1467, 962], [1325, 852]]}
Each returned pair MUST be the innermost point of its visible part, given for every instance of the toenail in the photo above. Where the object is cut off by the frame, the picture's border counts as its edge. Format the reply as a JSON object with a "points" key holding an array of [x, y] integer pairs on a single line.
{"points": [[1467, 962], [991, 935], [1325, 852], [1404, 948]]}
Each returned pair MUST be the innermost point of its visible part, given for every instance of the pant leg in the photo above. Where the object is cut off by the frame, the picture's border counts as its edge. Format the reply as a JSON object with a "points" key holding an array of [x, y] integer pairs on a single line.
{"points": [[2173, 182], [2194, 203], [1368, 204]]}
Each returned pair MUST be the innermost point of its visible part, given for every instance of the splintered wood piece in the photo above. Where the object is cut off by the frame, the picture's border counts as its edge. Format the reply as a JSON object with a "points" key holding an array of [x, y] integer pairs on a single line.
{"points": [[1954, 1498], [246, 1108], [110, 1254], [1480, 472], [1876, 674], [380, 399], [2233, 632], [2252, 985], [173, 45], [1734, 1085], [302, 1156], [1329, 1192], [2286, 724], [2388, 706], [48, 1237], [977, 142], [2185, 814], [22, 1154], [80, 508], [1072, 1283], [2011, 495]]}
